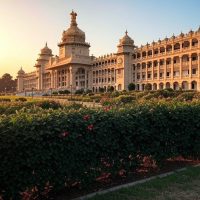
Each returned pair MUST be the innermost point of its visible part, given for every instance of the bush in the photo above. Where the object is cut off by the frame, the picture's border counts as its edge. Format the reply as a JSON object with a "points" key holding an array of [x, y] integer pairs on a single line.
{"points": [[59, 147], [64, 92], [55, 93], [5, 100], [48, 104], [186, 96], [81, 91], [125, 99], [131, 87], [110, 89], [101, 90], [148, 87], [22, 99]]}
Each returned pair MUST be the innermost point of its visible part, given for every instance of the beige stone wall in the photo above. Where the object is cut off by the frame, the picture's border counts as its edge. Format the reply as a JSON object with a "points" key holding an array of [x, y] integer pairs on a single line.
{"points": [[173, 62]]}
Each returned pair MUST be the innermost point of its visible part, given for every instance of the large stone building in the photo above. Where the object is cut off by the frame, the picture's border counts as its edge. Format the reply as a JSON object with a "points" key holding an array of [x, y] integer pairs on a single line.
{"points": [[170, 63]]}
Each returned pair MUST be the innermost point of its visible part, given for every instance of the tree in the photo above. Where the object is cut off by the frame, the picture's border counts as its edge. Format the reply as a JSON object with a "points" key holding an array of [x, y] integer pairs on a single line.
{"points": [[131, 87], [101, 90], [7, 83], [110, 89], [148, 87]]}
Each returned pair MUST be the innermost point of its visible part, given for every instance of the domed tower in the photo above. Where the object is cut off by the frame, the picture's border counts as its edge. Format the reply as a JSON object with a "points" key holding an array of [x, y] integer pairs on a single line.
{"points": [[20, 80], [124, 62], [44, 57], [73, 40], [126, 44]]}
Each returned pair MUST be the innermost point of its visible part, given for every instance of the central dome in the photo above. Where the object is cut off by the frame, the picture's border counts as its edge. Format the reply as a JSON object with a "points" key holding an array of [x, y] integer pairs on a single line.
{"points": [[73, 34]]}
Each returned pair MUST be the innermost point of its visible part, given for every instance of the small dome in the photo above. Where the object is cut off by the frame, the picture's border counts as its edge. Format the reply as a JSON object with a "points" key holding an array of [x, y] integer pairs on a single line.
{"points": [[46, 50], [73, 33], [126, 40], [21, 71], [181, 35]]}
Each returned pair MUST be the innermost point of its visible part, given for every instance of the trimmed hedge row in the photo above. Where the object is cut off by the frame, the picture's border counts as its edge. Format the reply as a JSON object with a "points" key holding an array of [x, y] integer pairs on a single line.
{"points": [[63, 147], [11, 107]]}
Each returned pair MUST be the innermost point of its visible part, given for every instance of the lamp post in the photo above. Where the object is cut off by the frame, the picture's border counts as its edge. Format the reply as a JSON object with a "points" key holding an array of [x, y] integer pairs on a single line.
{"points": [[32, 92], [51, 92], [5, 91], [71, 91]]}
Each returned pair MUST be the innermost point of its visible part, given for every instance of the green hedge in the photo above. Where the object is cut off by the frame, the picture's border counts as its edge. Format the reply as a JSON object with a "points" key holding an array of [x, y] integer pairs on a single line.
{"points": [[63, 147]]}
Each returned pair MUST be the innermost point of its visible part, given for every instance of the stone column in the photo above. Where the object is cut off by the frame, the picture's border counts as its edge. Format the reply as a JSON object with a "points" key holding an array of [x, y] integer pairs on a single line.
{"points": [[152, 71], [172, 68], [158, 71], [198, 65], [146, 71], [190, 66], [165, 69], [180, 67]]}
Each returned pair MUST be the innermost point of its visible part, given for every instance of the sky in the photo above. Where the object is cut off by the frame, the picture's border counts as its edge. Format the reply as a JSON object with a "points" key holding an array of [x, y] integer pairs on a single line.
{"points": [[26, 25]]}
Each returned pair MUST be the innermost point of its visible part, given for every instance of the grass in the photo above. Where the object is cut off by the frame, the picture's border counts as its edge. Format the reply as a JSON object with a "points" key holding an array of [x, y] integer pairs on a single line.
{"points": [[183, 185]]}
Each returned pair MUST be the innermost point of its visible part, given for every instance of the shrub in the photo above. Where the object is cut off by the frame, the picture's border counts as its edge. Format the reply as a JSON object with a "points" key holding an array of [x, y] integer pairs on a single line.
{"points": [[125, 99], [5, 100], [186, 96], [55, 93], [62, 147], [48, 104], [22, 99], [148, 87], [101, 90], [81, 91], [110, 89], [64, 92], [131, 87]]}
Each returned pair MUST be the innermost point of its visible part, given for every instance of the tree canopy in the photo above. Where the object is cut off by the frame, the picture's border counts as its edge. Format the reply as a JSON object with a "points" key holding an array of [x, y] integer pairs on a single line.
{"points": [[7, 83]]}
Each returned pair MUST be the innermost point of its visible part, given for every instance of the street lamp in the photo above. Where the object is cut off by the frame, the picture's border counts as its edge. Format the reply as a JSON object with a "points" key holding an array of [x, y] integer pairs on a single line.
{"points": [[71, 91], [5, 91], [51, 92], [32, 92]]}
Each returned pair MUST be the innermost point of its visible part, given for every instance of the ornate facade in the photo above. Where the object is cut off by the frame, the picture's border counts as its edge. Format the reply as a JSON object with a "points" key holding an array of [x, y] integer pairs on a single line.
{"points": [[170, 63]]}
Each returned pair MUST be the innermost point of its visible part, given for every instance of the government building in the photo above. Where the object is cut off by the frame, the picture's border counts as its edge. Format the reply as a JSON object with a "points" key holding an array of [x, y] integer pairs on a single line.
{"points": [[169, 63]]}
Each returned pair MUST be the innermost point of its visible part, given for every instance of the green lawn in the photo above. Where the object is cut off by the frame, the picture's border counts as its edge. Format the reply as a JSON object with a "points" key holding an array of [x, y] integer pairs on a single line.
{"points": [[183, 185]]}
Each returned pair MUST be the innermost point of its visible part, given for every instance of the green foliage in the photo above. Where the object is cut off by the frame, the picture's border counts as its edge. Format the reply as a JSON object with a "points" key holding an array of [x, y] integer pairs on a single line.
{"points": [[64, 92], [81, 91], [186, 96], [101, 90], [5, 100], [55, 93], [148, 87], [110, 89], [131, 87], [125, 99], [61, 147], [22, 99]]}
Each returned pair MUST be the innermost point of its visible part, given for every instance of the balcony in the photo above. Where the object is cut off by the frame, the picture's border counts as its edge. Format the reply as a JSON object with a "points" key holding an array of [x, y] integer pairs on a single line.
{"points": [[185, 48], [194, 46], [169, 52]]}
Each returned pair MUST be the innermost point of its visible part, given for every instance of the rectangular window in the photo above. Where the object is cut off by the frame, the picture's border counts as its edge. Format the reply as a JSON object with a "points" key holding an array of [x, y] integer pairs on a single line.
{"points": [[149, 75], [194, 71]]}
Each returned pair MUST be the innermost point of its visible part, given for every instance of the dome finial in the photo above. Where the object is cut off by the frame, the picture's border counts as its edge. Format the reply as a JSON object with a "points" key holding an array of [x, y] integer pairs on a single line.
{"points": [[126, 32], [73, 18], [46, 44]]}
